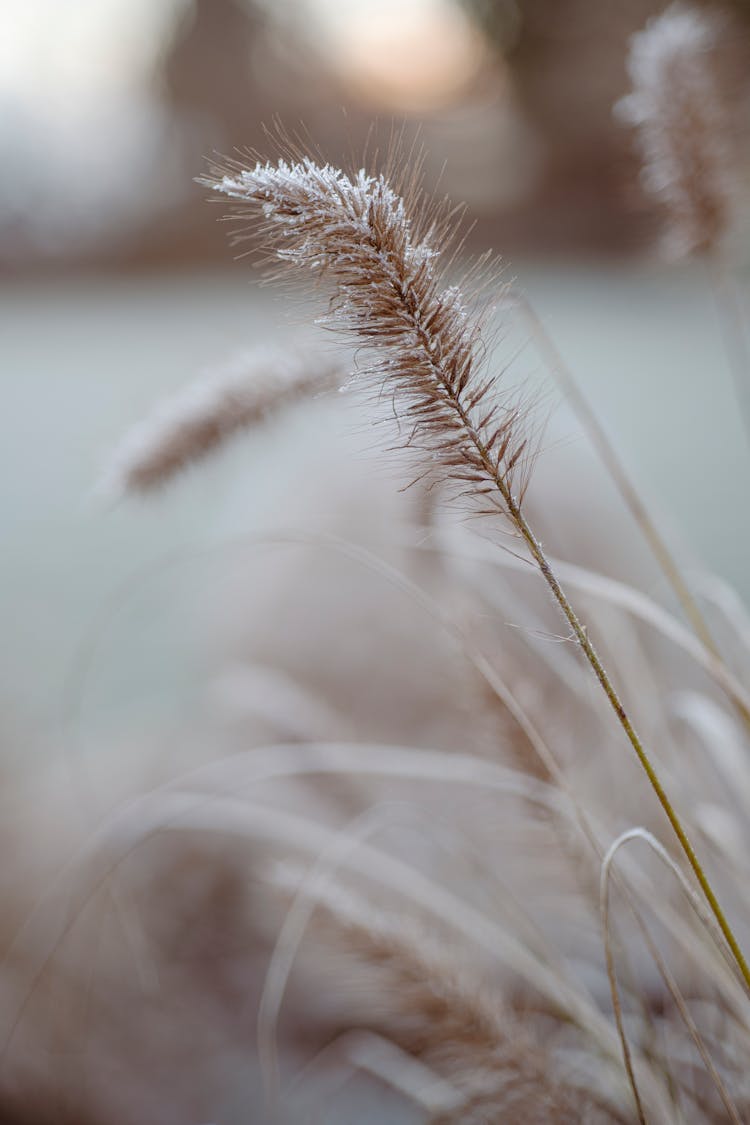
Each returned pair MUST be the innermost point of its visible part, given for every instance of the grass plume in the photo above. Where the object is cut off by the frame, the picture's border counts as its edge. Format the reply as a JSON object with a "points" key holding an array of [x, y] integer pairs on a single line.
{"points": [[384, 248], [688, 142], [677, 109], [204, 415]]}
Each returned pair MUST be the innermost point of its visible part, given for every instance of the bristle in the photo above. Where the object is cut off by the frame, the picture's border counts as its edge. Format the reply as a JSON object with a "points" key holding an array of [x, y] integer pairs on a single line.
{"points": [[206, 413], [676, 107]]}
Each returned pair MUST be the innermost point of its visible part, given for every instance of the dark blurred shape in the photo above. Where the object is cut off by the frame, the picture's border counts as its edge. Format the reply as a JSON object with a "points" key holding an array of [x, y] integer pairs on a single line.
{"points": [[499, 20], [513, 101], [567, 58], [210, 57], [212, 99]]}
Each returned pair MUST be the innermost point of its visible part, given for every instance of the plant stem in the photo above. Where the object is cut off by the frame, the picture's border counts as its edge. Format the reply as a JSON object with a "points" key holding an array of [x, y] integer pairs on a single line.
{"points": [[734, 333], [617, 472], [592, 656]]}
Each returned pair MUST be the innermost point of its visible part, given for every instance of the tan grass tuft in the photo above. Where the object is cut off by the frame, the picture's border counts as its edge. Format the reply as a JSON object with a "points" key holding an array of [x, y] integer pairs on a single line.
{"points": [[205, 414], [678, 111]]}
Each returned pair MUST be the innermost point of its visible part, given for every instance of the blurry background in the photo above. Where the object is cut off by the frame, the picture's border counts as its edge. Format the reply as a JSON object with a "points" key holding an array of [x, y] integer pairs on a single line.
{"points": [[141, 636], [109, 107], [117, 283]]}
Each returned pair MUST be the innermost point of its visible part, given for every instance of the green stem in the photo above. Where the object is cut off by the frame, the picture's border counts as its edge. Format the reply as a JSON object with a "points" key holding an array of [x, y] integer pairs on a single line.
{"points": [[734, 332], [592, 656]]}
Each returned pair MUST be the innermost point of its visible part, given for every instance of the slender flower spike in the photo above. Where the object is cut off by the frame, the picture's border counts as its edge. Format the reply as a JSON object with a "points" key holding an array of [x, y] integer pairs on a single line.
{"points": [[677, 109], [384, 254]]}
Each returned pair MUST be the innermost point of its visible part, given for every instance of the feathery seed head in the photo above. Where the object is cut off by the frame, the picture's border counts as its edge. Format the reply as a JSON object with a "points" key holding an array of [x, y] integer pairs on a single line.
{"points": [[383, 248], [676, 107]]}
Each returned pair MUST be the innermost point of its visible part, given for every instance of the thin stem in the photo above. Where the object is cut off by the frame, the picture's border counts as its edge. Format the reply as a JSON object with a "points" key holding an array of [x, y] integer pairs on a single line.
{"points": [[734, 333], [617, 472], [592, 656], [615, 991]]}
